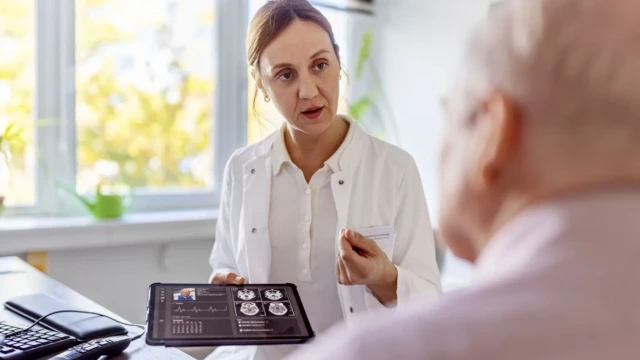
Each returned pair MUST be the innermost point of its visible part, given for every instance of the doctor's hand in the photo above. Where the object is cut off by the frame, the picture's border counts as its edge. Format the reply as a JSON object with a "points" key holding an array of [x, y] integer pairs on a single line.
{"points": [[227, 278], [361, 261]]}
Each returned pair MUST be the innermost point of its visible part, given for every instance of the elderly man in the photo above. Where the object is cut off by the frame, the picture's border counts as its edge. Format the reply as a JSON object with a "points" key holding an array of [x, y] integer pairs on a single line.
{"points": [[540, 189]]}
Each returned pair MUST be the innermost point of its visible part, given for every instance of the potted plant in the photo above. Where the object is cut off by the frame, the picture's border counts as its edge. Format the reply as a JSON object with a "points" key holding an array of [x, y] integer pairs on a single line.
{"points": [[9, 138], [371, 108]]}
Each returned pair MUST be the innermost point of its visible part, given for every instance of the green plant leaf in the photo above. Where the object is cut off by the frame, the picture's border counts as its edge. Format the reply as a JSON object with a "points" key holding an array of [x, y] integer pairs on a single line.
{"points": [[7, 130], [365, 52], [360, 107]]}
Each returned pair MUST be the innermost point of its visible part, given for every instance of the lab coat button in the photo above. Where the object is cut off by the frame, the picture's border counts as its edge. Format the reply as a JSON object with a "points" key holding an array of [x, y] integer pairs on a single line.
{"points": [[341, 182], [254, 230], [351, 309], [253, 171], [308, 191]]}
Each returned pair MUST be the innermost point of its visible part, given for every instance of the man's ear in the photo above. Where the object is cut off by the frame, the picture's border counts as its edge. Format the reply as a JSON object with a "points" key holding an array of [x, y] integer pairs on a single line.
{"points": [[500, 126]]}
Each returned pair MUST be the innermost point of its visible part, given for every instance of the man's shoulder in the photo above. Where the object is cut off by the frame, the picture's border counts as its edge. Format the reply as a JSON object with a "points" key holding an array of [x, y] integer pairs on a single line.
{"points": [[469, 324]]}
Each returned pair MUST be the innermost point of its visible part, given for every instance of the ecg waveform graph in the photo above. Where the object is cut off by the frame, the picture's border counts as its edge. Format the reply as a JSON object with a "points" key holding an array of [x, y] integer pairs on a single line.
{"points": [[201, 312], [196, 310]]}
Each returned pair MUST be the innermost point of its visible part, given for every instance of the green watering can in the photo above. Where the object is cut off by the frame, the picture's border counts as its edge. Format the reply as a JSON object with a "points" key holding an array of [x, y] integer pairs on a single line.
{"points": [[104, 206]]}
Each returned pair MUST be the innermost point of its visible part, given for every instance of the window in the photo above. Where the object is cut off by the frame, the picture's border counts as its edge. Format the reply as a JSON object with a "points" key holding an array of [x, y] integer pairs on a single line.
{"points": [[150, 94], [144, 93], [121, 93], [17, 79]]}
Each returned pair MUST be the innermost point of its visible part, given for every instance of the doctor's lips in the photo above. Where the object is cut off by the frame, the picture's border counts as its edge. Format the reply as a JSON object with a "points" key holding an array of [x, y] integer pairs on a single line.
{"points": [[313, 112]]}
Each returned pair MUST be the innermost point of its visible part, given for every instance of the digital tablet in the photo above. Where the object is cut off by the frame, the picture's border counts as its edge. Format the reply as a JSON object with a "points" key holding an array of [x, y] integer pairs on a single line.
{"points": [[217, 315]]}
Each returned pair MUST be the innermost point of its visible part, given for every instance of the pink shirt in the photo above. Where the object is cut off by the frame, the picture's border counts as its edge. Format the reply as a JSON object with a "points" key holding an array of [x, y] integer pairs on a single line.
{"points": [[561, 281]]}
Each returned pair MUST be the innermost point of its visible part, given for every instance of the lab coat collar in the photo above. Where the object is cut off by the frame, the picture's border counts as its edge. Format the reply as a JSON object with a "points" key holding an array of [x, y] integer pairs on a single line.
{"points": [[336, 162], [279, 153], [356, 142]]}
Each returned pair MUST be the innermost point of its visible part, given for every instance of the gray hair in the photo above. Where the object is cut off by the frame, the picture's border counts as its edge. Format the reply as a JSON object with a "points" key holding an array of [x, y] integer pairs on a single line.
{"points": [[565, 62]]}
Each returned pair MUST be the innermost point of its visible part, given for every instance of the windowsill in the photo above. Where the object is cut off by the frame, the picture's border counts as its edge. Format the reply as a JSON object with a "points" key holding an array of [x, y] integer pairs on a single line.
{"points": [[24, 234]]}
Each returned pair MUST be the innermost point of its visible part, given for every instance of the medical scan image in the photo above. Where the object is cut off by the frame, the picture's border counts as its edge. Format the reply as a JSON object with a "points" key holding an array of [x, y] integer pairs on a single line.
{"points": [[278, 308], [273, 294], [246, 294], [249, 309]]}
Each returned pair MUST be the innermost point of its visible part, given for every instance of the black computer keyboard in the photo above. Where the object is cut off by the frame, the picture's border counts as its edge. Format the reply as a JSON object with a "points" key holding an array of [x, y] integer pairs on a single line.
{"points": [[31, 344]]}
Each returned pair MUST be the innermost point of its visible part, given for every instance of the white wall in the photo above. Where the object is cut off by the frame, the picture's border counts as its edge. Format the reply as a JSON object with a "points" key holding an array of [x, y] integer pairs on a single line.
{"points": [[418, 43], [417, 49]]}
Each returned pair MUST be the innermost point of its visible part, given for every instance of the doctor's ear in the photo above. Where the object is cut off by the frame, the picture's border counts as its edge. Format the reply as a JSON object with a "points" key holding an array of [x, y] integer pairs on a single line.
{"points": [[259, 87], [256, 77]]}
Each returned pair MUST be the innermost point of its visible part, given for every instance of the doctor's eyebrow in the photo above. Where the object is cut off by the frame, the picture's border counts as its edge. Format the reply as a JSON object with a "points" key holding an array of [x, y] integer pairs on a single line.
{"points": [[318, 53], [286, 65]]}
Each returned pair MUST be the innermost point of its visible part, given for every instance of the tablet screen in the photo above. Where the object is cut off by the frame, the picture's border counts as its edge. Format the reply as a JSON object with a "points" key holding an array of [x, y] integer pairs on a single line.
{"points": [[226, 312]]}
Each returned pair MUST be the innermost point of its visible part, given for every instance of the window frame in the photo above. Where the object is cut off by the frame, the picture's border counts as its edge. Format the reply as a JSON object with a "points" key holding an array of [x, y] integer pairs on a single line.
{"points": [[55, 98]]}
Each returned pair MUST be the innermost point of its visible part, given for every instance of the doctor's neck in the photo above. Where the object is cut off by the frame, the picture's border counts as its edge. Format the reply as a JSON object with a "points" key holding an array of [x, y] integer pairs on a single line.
{"points": [[309, 152]]}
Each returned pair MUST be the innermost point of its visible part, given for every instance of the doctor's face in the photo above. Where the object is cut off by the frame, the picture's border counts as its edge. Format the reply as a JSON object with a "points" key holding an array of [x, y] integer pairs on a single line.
{"points": [[300, 71]]}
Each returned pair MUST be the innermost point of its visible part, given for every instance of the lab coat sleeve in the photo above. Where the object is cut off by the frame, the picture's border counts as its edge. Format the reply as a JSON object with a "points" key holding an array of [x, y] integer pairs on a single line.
{"points": [[222, 259], [414, 253]]}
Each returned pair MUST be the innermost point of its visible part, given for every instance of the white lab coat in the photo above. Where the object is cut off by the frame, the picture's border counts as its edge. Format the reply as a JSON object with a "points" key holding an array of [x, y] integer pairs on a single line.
{"points": [[378, 185]]}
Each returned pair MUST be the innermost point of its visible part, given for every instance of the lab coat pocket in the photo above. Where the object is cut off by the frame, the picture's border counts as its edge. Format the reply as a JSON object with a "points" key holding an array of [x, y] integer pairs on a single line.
{"points": [[384, 237]]}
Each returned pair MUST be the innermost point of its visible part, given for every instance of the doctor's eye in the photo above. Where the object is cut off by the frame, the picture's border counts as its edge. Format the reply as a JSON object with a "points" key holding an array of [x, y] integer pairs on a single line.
{"points": [[286, 76], [321, 66]]}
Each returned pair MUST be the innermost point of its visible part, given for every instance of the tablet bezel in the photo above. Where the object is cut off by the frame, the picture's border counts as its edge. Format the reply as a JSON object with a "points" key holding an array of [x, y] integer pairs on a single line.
{"points": [[186, 342]]}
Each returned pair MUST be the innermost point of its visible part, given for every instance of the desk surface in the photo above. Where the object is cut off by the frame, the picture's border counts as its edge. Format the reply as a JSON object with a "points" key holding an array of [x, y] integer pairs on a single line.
{"points": [[18, 278]]}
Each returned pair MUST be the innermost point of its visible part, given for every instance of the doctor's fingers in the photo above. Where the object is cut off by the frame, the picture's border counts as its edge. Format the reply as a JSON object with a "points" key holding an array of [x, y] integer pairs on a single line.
{"points": [[227, 278], [352, 272], [346, 251], [362, 242], [341, 273], [357, 264]]}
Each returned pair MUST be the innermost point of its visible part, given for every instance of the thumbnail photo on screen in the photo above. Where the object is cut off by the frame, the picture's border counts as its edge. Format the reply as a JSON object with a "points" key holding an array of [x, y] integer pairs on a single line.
{"points": [[184, 294]]}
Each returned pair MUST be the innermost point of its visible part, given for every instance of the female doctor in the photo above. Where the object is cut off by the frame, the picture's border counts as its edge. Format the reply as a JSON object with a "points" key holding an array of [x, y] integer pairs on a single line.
{"points": [[288, 201]]}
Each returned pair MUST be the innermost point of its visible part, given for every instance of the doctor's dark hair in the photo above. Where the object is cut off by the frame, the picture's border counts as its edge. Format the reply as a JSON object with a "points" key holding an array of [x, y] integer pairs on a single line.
{"points": [[275, 16]]}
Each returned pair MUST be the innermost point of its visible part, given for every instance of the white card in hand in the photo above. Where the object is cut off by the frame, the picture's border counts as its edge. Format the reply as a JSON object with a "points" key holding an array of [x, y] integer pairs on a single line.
{"points": [[384, 236]]}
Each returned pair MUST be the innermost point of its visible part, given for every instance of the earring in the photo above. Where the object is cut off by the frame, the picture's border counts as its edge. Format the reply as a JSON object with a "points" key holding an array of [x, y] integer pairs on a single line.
{"points": [[266, 98]]}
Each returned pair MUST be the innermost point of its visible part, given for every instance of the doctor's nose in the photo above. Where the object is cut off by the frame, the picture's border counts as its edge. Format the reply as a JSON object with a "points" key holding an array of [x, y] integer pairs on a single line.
{"points": [[308, 88]]}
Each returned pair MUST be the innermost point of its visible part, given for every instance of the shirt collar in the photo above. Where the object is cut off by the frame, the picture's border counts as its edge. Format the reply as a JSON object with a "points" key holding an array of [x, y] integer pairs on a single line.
{"points": [[516, 242], [537, 232], [280, 155]]}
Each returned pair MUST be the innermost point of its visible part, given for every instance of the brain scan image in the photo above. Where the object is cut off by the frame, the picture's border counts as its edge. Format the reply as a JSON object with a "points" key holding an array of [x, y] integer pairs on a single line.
{"points": [[246, 294], [277, 308], [249, 309], [273, 294]]}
